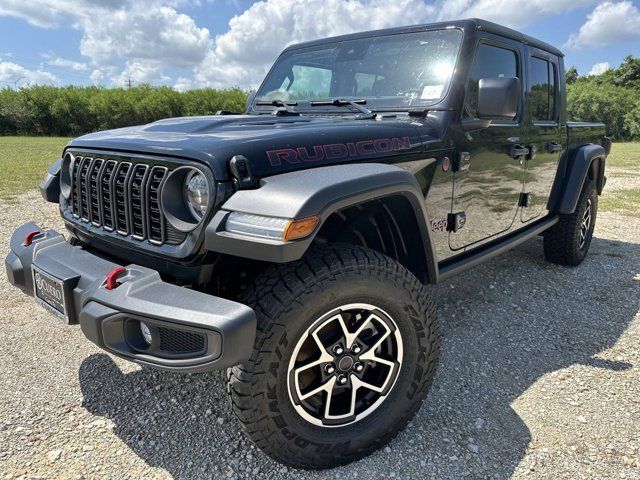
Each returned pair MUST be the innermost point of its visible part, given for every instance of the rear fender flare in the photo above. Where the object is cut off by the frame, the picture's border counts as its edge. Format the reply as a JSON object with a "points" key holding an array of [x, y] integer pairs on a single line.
{"points": [[318, 191], [582, 161]]}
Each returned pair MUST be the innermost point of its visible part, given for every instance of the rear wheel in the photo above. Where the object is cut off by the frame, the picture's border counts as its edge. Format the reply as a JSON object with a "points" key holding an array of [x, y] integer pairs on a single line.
{"points": [[346, 350], [568, 241]]}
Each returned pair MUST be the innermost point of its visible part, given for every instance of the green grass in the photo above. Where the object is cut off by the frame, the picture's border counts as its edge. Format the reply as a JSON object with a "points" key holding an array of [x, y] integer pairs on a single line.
{"points": [[24, 162], [626, 201], [623, 162], [624, 155]]}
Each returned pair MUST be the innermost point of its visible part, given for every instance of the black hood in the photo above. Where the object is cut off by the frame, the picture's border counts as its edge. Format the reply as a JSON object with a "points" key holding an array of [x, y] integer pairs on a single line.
{"points": [[272, 144]]}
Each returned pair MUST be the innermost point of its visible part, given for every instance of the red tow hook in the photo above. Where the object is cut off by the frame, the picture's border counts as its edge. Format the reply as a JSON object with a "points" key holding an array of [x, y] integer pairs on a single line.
{"points": [[28, 238], [112, 277]]}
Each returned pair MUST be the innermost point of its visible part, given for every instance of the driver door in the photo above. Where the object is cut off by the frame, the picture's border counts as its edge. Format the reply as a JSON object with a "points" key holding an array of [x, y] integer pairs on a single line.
{"points": [[489, 177]]}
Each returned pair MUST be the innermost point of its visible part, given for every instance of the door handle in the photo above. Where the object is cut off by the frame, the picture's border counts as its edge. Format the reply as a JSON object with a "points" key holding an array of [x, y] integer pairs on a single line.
{"points": [[518, 151], [553, 147]]}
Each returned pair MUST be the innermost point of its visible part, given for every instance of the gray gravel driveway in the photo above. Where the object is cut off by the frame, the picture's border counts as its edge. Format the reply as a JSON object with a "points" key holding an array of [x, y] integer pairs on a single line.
{"points": [[539, 378]]}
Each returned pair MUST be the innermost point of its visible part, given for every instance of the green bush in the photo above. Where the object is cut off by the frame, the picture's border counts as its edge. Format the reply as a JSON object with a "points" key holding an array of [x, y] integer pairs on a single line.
{"points": [[15, 114], [612, 98], [70, 111], [590, 101]]}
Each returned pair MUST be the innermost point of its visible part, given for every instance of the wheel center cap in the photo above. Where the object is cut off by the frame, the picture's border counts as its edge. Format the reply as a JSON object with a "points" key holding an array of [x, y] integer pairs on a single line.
{"points": [[345, 363]]}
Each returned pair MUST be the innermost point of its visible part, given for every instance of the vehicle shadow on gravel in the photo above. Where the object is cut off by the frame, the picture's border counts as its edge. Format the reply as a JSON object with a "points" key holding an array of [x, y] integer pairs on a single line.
{"points": [[506, 324]]}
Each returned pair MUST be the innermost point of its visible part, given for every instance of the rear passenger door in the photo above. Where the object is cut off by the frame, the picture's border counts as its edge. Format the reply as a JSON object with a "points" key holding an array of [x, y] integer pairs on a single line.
{"points": [[543, 131]]}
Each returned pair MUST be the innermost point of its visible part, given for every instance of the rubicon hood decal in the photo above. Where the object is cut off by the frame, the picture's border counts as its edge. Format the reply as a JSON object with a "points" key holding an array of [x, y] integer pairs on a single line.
{"points": [[337, 151]]}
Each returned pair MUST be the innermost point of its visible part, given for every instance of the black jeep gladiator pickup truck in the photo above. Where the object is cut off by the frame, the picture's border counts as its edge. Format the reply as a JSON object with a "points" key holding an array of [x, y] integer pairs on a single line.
{"points": [[295, 244]]}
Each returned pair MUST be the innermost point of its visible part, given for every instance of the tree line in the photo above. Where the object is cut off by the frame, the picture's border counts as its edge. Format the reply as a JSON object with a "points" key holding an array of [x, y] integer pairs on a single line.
{"points": [[612, 97], [69, 111]]}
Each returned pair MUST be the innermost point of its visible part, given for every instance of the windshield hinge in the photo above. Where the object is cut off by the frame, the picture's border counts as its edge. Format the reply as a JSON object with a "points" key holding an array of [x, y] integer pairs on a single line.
{"points": [[284, 108], [241, 171], [418, 113]]}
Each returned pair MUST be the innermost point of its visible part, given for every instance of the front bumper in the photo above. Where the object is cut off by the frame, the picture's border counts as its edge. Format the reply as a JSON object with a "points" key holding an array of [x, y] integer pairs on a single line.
{"points": [[191, 331]]}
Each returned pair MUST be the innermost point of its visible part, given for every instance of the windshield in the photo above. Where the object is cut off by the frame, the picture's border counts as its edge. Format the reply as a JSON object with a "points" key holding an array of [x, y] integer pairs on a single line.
{"points": [[402, 70]]}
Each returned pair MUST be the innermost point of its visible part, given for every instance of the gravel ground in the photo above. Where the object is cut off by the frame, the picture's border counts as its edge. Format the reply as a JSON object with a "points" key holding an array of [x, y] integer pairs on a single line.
{"points": [[539, 378]]}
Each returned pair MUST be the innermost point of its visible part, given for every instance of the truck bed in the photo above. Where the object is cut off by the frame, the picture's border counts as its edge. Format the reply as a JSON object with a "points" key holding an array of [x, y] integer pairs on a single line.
{"points": [[581, 133]]}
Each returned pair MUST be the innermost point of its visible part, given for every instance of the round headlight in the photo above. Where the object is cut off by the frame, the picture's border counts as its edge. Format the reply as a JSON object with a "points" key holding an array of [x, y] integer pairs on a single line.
{"points": [[188, 193], [196, 188]]}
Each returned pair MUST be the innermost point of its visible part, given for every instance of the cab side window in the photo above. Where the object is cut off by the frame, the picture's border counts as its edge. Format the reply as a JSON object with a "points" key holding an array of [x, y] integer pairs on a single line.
{"points": [[490, 61], [542, 90]]}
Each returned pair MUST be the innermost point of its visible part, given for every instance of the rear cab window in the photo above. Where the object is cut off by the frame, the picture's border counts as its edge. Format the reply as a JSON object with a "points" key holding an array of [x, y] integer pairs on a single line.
{"points": [[542, 95]]}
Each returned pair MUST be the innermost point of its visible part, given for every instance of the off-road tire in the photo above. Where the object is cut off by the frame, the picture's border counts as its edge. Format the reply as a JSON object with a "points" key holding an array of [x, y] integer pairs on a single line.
{"points": [[562, 242], [287, 299]]}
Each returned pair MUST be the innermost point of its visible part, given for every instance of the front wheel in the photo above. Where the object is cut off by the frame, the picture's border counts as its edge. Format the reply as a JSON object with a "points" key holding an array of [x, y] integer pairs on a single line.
{"points": [[346, 350]]}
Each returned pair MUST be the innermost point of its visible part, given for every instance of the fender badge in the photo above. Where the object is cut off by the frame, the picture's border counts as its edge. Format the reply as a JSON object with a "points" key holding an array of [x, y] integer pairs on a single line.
{"points": [[446, 164]]}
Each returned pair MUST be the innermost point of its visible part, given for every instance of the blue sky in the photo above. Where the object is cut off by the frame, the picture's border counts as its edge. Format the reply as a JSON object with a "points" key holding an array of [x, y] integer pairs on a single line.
{"points": [[223, 43]]}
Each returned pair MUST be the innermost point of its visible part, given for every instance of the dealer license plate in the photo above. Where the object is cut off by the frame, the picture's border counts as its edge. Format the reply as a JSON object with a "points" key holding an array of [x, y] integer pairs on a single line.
{"points": [[49, 292]]}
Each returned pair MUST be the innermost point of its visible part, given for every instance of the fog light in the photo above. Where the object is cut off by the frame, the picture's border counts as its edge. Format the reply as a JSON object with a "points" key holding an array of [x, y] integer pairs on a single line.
{"points": [[146, 332]]}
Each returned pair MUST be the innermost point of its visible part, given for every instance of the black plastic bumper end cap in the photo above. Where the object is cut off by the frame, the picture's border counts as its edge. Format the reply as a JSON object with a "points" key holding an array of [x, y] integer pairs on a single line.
{"points": [[15, 271], [50, 189]]}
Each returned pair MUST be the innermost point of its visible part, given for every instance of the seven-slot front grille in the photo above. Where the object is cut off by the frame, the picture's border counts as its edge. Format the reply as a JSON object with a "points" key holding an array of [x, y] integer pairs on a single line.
{"points": [[121, 196]]}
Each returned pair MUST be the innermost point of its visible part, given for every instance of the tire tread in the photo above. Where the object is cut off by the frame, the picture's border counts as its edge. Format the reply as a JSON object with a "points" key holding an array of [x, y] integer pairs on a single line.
{"points": [[559, 241], [275, 292]]}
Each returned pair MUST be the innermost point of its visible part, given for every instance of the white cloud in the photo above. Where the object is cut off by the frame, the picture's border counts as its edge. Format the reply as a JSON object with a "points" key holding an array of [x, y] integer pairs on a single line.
{"points": [[508, 12], [13, 74], [145, 31], [144, 71], [183, 84], [608, 23], [141, 37], [66, 63], [40, 14], [599, 68], [97, 77]]}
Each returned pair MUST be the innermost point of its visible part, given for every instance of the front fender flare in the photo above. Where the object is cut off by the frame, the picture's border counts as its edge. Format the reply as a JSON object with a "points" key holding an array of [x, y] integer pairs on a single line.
{"points": [[318, 191]]}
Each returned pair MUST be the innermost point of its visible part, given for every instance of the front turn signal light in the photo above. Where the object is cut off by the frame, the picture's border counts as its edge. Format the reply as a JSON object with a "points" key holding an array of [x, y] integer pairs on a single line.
{"points": [[271, 228], [300, 228]]}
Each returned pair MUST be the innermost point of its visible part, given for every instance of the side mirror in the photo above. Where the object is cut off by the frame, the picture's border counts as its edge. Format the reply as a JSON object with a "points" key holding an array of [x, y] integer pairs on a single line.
{"points": [[498, 97], [250, 98]]}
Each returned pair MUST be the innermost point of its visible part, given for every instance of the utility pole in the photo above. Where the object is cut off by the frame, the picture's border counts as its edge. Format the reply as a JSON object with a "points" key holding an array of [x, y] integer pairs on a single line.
{"points": [[128, 82]]}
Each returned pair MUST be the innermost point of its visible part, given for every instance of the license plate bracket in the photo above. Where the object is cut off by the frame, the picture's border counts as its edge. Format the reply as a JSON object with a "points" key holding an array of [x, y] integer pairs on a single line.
{"points": [[53, 294]]}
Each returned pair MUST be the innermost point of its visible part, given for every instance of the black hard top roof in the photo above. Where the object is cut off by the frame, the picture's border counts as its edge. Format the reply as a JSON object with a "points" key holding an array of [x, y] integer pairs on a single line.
{"points": [[467, 24]]}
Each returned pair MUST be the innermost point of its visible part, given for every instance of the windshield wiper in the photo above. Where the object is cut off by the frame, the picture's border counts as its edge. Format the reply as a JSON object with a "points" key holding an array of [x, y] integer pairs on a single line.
{"points": [[282, 105], [365, 113]]}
